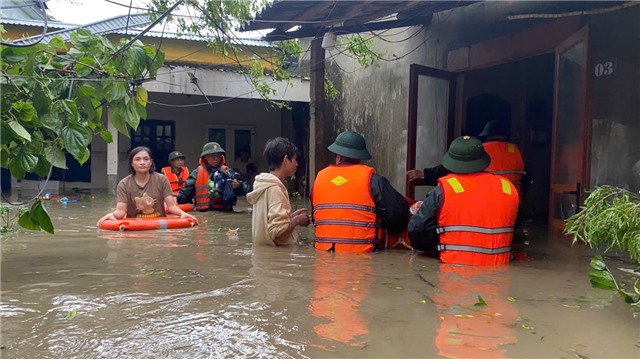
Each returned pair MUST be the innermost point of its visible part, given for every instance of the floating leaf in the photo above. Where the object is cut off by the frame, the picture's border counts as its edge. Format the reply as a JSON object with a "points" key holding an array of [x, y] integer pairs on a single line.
{"points": [[422, 301], [511, 299], [480, 303], [527, 327], [71, 314]]}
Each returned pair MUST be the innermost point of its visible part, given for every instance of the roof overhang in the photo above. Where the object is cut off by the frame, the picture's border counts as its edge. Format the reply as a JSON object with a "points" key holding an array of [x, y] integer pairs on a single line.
{"points": [[313, 18]]}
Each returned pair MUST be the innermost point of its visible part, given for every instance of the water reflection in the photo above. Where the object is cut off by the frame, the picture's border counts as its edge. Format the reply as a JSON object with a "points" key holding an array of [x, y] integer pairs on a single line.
{"points": [[341, 281], [469, 328], [198, 293]]}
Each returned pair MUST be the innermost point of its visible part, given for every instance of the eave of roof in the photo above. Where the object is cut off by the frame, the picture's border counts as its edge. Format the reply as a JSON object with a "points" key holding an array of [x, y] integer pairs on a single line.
{"points": [[99, 27]]}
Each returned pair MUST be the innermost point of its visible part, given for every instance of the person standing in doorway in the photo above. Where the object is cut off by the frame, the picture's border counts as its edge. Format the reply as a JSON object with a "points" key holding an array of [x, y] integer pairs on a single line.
{"points": [[506, 159], [177, 173]]}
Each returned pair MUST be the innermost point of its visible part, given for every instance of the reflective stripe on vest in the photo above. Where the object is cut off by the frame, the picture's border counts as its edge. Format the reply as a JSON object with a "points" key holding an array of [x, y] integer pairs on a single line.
{"points": [[508, 172], [453, 247], [346, 223], [202, 189], [474, 229], [347, 241]]}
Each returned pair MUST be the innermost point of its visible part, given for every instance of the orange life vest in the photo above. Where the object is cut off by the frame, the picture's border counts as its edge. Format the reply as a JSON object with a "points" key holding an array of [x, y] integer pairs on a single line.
{"points": [[175, 182], [506, 161], [475, 222], [203, 201], [344, 211]]}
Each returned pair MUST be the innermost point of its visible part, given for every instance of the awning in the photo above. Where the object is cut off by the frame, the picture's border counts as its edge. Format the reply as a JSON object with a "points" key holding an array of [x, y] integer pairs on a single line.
{"points": [[314, 18]]}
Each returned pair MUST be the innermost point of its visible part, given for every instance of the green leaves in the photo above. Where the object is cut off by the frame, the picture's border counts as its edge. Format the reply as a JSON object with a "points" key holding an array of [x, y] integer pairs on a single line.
{"points": [[36, 218], [610, 219], [53, 97], [600, 277], [480, 303]]}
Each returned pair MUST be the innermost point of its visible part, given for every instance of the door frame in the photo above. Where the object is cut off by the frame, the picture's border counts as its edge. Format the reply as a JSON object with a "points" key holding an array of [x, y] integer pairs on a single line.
{"points": [[415, 71], [584, 156]]}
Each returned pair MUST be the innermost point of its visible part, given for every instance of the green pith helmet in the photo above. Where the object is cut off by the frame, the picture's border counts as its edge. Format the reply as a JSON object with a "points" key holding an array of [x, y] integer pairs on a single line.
{"points": [[211, 147], [350, 144], [492, 128], [466, 155], [176, 154]]}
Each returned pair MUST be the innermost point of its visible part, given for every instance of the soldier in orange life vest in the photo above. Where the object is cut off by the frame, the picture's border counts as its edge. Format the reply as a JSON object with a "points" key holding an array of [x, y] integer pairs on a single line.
{"points": [[213, 184], [469, 217], [177, 173], [506, 159], [352, 205]]}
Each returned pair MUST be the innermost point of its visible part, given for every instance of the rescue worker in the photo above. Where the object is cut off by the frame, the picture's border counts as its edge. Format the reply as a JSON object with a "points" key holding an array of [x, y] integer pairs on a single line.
{"points": [[506, 159], [204, 183], [469, 217], [177, 173], [352, 205]]}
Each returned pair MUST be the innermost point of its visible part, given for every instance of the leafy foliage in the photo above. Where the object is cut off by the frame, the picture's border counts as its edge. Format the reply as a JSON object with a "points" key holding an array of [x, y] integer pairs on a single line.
{"points": [[331, 93], [53, 96], [362, 50], [609, 219], [600, 277]]}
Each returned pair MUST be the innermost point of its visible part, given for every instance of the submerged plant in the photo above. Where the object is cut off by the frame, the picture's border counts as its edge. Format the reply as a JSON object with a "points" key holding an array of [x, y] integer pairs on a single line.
{"points": [[609, 219]]}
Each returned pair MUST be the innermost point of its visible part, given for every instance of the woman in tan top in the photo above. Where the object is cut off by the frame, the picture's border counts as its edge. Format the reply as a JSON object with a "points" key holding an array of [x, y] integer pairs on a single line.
{"points": [[144, 192]]}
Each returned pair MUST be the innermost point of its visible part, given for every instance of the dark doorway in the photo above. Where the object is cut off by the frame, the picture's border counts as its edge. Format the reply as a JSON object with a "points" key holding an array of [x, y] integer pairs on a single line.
{"points": [[159, 136], [520, 96]]}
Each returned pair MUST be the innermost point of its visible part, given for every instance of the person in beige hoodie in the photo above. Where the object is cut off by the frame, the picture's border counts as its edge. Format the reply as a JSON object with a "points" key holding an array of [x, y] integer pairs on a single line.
{"points": [[272, 222]]}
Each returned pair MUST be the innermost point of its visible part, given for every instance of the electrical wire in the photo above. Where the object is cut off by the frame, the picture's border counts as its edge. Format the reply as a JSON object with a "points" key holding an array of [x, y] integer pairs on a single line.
{"points": [[44, 29]]}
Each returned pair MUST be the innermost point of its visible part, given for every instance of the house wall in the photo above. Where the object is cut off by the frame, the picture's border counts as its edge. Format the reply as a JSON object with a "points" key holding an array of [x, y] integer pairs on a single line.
{"points": [[191, 130], [374, 100], [615, 150]]}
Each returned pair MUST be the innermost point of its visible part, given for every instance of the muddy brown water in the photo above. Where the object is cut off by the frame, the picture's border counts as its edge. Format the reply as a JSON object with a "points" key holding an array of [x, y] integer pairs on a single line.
{"points": [[197, 293]]}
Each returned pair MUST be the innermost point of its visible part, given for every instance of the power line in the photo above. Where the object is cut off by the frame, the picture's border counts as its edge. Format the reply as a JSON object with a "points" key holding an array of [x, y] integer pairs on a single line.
{"points": [[44, 28]]}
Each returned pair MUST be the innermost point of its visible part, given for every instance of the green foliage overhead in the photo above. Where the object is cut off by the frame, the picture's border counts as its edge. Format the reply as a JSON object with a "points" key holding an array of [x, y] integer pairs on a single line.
{"points": [[609, 219], [53, 96]]}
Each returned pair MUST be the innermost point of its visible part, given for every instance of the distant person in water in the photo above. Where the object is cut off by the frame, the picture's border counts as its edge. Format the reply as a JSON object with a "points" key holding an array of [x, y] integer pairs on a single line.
{"points": [[176, 172]]}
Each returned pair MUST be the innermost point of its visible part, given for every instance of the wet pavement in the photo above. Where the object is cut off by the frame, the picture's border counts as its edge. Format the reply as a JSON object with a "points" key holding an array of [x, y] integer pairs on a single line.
{"points": [[198, 293]]}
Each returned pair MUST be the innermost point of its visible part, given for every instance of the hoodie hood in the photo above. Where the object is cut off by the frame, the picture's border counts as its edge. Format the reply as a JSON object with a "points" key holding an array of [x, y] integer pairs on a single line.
{"points": [[261, 183]]}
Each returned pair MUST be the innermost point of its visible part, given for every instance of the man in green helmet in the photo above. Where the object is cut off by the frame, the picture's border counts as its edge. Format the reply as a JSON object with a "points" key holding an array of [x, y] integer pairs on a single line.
{"points": [[213, 184], [469, 217], [352, 205]]}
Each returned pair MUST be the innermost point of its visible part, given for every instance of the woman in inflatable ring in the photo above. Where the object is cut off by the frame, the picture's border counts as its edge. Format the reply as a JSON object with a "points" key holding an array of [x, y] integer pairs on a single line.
{"points": [[144, 192]]}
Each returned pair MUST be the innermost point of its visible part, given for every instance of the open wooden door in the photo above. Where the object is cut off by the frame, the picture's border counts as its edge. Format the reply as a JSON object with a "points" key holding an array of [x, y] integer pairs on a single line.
{"points": [[431, 119], [570, 162]]}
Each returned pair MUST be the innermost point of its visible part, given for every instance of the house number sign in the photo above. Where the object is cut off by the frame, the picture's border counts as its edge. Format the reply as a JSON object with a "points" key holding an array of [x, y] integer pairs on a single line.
{"points": [[605, 68]]}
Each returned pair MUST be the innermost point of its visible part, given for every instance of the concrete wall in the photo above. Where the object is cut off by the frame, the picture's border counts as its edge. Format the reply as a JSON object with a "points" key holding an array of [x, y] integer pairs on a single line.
{"points": [[374, 100], [616, 100], [191, 129]]}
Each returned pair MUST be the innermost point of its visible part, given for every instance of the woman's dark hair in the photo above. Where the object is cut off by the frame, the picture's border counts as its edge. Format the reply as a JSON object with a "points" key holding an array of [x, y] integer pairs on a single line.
{"points": [[137, 150], [276, 149]]}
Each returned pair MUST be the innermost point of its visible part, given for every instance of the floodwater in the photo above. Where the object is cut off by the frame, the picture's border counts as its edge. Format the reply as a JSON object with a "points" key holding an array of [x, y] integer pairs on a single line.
{"points": [[197, 293]]}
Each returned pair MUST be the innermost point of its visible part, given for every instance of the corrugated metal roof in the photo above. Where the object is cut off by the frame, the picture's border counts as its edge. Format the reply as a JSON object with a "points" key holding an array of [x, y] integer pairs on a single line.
{"points": [[117, 25], [36, 23], [100, 27], [188, 37]]}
